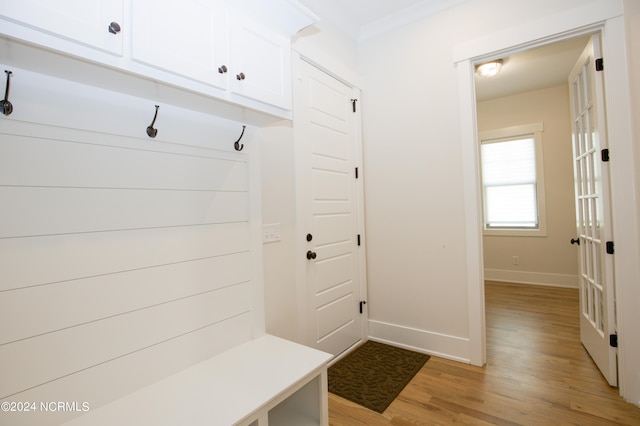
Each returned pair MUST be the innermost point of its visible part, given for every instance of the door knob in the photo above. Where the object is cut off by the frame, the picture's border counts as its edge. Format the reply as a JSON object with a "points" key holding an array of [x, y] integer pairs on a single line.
{"points": [[575, 241], [114, 28], [311, 255]]}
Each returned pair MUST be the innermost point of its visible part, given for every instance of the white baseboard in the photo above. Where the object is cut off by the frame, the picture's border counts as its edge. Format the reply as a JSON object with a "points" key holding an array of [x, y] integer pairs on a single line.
{"points": [[537, 278], [428, 342]]}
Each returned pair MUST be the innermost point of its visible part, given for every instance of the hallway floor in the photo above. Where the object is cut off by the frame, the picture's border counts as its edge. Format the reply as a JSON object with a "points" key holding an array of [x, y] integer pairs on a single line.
{"points": [[537, 373]]}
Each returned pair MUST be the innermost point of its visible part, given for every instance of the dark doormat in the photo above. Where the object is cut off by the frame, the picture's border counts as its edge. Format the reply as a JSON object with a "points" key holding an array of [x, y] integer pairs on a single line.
{"points": [[374, 374]]}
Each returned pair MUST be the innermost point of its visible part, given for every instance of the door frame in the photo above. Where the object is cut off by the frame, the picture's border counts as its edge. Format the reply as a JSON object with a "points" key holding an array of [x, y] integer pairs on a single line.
{"points": [[300, 229], [606, 17]]}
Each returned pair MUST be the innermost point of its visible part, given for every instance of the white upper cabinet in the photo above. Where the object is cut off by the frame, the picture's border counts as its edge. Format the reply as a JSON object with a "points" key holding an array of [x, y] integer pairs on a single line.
{"points": [[186, 37], [236, 51], [260, 61], [95, 23]]}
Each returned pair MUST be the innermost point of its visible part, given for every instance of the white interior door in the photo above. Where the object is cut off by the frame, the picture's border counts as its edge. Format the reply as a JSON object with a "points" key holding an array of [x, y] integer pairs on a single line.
{"points": [[327, 200], [597, 301]]}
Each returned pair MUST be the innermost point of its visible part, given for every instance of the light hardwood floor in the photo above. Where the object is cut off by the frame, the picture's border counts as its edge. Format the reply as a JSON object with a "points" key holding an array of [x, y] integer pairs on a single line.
{"points": [[537, 373]]}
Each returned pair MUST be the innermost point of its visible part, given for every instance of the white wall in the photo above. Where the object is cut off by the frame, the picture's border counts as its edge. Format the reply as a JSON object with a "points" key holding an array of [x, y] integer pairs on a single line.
{"points": [[413, 163], [329, 48], [417, 244], [548, 259], [115, 248], [278, 207], [413, 187]]}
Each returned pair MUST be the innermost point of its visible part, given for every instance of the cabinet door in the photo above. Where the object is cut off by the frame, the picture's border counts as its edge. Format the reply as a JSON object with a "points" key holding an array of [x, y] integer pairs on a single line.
{"points": [[83, 21], [186, 37], [260, 61]]}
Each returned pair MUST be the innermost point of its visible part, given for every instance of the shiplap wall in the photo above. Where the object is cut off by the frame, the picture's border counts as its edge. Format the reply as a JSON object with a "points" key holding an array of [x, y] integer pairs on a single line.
{"points": [[123, 258]]}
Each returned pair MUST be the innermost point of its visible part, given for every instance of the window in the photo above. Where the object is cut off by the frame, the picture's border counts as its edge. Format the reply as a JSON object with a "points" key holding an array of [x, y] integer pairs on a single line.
{"points": [[513, 181]]}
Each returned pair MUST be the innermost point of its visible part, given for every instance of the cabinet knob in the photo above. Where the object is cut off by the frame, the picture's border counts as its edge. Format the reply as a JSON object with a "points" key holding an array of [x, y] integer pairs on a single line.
{"points": [[114, 28], [311, 255], [240, 76], [222, 69]]}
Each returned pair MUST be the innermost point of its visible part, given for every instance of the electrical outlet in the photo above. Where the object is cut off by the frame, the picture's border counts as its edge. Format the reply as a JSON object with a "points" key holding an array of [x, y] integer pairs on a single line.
{"points": [[270, 233], [515, 260]]}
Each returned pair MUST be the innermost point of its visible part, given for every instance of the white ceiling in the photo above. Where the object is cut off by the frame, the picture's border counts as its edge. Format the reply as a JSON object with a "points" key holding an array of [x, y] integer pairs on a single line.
{"points": [[364, 18], [533, 69]]}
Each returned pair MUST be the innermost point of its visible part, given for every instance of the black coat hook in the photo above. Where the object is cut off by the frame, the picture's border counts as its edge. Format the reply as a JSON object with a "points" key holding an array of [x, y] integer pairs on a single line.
{"points": [[151, 132], [237, 145], [5, 106]]}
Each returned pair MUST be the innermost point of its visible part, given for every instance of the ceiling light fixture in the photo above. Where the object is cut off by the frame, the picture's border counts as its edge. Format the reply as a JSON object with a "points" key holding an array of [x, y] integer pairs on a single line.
{"points": [[489, 69]]}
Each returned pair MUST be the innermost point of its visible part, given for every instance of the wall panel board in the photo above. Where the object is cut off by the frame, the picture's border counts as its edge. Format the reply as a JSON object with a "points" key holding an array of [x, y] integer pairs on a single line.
{"points": [[122, 258], [54, 355], [102, 295], [106, 382], [36, 211]]}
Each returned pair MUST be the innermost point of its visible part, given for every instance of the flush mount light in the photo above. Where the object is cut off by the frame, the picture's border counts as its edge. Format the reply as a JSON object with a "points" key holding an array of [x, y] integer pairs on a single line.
{"points": [[489, 69]]}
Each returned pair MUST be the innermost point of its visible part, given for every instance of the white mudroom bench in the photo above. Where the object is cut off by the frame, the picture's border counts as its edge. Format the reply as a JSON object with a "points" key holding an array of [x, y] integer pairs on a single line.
{"points": [[265, 381]]}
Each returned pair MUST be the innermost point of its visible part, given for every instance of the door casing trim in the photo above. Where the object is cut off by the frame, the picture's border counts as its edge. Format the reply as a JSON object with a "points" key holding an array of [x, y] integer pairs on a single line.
{"points": [[607, 17]]}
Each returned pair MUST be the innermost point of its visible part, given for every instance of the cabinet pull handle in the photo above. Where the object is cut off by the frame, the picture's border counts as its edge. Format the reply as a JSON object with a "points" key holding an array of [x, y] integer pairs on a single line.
{"points": [[223, 69], [5, 106], [114, 28], [240, 76]]}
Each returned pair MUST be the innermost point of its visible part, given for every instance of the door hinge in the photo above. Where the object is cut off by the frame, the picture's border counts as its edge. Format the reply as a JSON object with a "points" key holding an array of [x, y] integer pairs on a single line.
{"points": [[362, 303], [613, 340], [610, 249], [353, 104], [358, 239], [356, 173], [605, 155], [599, 64]]}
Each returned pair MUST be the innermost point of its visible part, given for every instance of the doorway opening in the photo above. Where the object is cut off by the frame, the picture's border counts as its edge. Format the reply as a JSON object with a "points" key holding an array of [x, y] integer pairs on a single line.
{"points": [[532, 92], [536, 89], [611, 23]]}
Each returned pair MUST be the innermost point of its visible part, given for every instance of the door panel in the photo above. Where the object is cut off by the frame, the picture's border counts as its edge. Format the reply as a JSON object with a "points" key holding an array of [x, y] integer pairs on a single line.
{"points": [[333, 230], [332, 274], [330, 143], [328, 101], [597, 301], [334, 316], [328, 198]]}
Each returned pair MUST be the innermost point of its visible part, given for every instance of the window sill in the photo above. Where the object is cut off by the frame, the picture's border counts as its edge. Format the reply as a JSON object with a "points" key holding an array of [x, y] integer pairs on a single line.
{"points": [[515, 232]]}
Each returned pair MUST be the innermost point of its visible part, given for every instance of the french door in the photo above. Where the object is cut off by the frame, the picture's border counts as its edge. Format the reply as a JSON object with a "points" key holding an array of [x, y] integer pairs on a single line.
{"points": [[593, 215]]}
